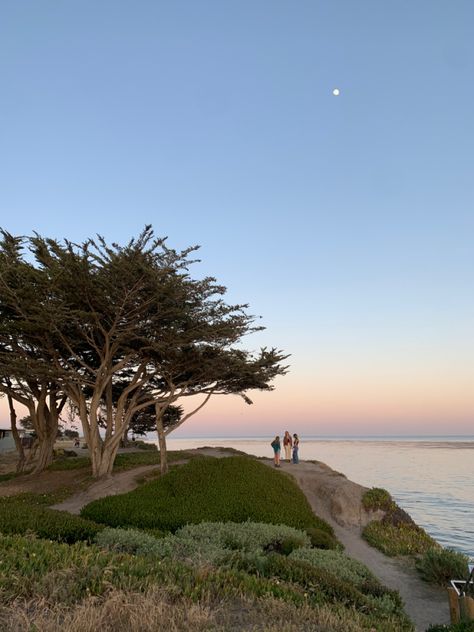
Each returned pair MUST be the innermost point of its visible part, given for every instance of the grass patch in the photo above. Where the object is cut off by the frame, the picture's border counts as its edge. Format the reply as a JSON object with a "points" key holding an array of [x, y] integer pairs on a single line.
{"points": [[159, 610], [18, 516], [70, 463], [234, 489], [40, 500], [8, 476], [404, 539], [397, 533], [129, 460]]}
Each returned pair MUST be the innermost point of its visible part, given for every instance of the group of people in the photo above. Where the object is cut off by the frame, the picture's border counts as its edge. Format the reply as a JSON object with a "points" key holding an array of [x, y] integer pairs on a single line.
{"points": [[290, 446]]}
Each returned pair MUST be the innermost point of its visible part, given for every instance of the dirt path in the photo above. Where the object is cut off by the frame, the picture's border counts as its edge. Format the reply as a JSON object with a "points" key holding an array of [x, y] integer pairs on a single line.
{"points": [[117, 484], [338, 501]]}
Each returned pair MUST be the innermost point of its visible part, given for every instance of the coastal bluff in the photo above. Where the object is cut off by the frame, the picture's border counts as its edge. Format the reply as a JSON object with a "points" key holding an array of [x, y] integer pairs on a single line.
{"points": [[338, 501], [330, 494], [337, 498]]}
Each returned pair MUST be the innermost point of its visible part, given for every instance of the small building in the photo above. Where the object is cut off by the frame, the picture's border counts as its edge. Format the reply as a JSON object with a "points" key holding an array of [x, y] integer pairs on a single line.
{"points": [[7, 443]]}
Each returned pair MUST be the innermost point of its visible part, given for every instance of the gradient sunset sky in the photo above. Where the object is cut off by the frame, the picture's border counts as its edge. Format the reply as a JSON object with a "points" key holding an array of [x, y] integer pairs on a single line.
{"points": [[346, 222]]}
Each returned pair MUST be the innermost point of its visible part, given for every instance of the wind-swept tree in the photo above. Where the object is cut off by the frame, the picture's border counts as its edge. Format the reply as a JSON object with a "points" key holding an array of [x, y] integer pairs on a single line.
{"points": [[25, 376], [119, 328]]}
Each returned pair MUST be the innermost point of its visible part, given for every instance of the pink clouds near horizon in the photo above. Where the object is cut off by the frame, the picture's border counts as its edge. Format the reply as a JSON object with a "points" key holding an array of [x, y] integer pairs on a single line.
{"points": [[338, 402]]}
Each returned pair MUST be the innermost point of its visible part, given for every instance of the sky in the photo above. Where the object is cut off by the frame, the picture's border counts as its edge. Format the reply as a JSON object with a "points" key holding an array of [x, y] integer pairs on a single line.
{"points": [[346, 222]]}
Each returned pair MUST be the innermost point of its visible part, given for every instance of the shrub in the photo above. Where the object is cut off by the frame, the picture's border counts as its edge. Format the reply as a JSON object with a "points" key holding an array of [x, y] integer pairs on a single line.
{"points": [[319, 584], [330, 587], [283, 546], [377, 498], [440, 565], [355, 573], [156, 533], [404, 539], [322, 539], [170, 547], [337, 563], [247, 536], [152, 447], [128, 541], [233, 489], [206, 542], [16, 516], [397, 516]]}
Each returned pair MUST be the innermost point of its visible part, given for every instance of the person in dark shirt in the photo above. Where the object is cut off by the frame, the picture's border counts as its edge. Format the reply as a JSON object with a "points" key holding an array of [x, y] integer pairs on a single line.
{"points": [[296, 445], [276, 450]]}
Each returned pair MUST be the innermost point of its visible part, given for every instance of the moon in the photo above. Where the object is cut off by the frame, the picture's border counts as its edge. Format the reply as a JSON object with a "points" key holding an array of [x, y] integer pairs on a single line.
{"points": [[336, 92]]}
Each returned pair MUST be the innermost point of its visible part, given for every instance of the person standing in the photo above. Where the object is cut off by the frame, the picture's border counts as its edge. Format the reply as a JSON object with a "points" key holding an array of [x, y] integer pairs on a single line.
{"points": [[276, 450], [296, 445], [287, 445]]}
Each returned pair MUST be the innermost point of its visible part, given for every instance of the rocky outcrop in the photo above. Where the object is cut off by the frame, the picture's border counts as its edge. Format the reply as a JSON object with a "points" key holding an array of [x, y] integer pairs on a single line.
{"points": [[337, 497]]}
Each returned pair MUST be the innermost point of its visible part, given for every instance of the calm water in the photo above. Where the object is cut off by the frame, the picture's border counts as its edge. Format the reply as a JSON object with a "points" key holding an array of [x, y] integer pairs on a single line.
{"points": [[431, 478]]}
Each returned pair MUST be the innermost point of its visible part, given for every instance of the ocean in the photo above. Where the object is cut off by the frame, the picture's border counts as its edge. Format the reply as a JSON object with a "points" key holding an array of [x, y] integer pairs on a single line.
{"points": [[430, 477]]}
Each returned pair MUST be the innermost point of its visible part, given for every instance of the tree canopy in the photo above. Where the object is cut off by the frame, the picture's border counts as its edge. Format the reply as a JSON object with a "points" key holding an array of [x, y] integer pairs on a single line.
{"points": [[117, 329]]}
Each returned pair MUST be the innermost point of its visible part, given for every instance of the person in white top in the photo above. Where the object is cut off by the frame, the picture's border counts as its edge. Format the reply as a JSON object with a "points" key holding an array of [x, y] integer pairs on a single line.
{"points": [[287, 445]]}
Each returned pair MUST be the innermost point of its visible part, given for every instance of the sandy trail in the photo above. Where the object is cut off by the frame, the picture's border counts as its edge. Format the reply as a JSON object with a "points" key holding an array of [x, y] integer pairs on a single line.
{"points": [[338, 501], [116, 484]]}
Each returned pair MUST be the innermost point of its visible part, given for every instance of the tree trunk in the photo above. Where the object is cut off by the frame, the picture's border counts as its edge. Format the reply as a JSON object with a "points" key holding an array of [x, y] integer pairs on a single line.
{"points": [[45, 422], [95, 443], [103, 467], [31, 454], [102, 450], [161, 439], [124, 440], [45, 452], [16, 436]]}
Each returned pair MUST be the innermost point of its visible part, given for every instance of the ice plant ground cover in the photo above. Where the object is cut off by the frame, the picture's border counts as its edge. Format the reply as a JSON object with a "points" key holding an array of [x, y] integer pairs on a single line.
{"points": [[234, 489]]}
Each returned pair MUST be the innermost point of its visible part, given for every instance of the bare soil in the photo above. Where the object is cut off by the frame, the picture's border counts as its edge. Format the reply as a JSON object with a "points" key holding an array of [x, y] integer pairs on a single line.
{"points": [[45, 483]]}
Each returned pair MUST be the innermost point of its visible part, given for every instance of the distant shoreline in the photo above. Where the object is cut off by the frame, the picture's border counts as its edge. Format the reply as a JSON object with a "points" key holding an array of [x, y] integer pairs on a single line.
{"points": [[379, 438]]}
